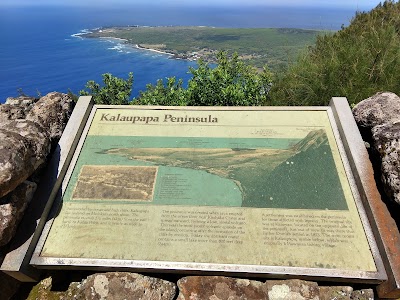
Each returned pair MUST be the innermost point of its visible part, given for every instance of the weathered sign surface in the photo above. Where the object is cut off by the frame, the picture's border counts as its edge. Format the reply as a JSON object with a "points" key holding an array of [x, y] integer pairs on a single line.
{"points": [[233, 190]]}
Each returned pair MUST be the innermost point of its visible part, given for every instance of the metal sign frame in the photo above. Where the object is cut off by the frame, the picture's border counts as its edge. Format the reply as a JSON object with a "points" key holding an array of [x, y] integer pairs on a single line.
{"points": [[338, 114]]}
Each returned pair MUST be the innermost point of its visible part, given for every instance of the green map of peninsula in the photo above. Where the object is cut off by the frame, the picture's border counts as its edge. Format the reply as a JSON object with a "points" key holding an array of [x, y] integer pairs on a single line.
{"points": [[301, 176]]}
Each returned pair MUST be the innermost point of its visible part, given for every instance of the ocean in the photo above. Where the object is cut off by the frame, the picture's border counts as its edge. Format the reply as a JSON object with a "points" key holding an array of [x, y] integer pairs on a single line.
{"points": [[41, 50]]}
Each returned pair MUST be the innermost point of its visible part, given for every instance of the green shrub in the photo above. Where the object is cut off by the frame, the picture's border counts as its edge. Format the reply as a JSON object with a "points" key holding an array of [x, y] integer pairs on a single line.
{"points": [[230, 83], [169, 93], [115, 90]]}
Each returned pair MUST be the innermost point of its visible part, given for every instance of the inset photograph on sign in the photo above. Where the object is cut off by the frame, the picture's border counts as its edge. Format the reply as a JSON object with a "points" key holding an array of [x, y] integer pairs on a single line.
{"points": [[115, 183]]}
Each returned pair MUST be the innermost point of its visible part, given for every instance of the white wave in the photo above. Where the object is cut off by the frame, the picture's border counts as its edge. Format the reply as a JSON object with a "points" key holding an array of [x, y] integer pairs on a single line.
{"points": [[117, 47], [82, 32], [121, 48]]}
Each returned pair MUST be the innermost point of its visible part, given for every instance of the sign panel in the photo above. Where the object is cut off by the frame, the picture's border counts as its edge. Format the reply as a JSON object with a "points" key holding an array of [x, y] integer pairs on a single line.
{"points": [[212, 189]]}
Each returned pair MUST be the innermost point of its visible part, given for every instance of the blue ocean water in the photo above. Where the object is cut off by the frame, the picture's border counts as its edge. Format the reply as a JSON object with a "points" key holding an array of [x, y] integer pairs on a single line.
{"points": [[40, 51]]}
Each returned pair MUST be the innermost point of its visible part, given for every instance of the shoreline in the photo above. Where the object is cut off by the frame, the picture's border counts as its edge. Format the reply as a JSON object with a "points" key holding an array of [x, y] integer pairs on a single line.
{"points": [[137, 46], [113, 38]]}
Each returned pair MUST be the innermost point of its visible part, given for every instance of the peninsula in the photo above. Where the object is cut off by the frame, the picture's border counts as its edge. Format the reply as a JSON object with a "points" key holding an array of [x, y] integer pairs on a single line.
{"points": [[258, 46]]}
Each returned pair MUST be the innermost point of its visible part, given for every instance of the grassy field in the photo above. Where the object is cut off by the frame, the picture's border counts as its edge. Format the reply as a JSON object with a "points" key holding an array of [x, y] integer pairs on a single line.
{"points": [[258, 46]]}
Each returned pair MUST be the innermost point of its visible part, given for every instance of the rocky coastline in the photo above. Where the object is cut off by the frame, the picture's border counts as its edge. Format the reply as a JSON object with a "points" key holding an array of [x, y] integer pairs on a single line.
{"points": [[156, 48]]}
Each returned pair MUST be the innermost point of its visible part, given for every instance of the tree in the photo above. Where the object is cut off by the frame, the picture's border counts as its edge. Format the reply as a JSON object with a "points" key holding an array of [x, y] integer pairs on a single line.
{"points": [[170, 92], [355, 62], [115, 90], [230, 83]]}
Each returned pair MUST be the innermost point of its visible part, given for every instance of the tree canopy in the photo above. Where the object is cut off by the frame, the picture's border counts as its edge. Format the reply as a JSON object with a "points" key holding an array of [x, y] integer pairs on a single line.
{"points": [[114, 91], [230, 83]]}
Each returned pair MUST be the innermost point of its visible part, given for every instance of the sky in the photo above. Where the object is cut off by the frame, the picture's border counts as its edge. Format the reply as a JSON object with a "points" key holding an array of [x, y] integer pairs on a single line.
{"points": [[354, 4]]}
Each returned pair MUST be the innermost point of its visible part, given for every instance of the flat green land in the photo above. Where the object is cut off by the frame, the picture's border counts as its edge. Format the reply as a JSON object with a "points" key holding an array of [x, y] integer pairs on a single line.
{"points": [[258, 46]]}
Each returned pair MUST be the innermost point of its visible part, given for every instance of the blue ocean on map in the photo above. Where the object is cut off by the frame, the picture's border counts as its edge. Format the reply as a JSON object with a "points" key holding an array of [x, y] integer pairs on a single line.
{"points": [[41, 49]]}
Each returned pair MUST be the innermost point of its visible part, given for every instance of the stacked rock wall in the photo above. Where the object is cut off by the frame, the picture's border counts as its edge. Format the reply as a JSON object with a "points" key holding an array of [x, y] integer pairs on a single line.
{"points": [[122, 285], [378, 118], [29, 127]]}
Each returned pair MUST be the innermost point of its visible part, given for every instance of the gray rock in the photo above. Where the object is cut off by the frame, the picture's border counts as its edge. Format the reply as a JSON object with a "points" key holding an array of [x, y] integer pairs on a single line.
{"points": [[110, 286], [21, 100], [38, 139], [24, 148], [16, 108], [25, 144], [52, 113], [335, 292], [293, 289], [10, 112], [219, 288], [387, 143], [378, 118], [365, 294], [379, 109], [12, 208], [122, 285], [15, 161]]}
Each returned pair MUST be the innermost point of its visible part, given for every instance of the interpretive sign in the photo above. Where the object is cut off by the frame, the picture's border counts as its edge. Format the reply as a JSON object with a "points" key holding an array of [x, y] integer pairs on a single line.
{"points": [[255, 190]]}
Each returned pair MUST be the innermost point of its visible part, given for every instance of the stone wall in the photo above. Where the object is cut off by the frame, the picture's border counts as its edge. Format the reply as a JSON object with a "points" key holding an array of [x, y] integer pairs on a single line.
{"points": [[378, 118], [122, 285], [29, 128]]}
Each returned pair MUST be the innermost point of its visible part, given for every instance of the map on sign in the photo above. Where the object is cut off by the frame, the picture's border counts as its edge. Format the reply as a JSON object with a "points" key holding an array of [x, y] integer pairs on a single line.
{"points": [[216, 186], [249, 173]]}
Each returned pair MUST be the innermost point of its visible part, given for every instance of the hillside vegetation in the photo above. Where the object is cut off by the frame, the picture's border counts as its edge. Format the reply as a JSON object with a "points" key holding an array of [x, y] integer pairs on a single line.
{"points": [[355, 62]]}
